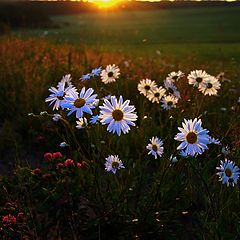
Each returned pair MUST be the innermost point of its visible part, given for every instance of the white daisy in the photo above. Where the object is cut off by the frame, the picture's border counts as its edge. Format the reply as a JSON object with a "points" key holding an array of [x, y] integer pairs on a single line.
{"points": [[175, 76], [56, 117], [155, 147], [113, 163], [212, 140], [209, 86], [80, 103], [66, 79], [81, 123], [169, 102], [96, 71], [94, 119], [193, 137], [156, 94], [118, 115], [110, 74], [171, 88], [228, 172], [146, 85], [196, 77], [173, 159], [57, 94]]}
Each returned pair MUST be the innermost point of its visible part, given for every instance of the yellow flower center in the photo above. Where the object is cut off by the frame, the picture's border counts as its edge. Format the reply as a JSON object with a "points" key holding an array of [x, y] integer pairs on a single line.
{"points": [[228, 172], [154, 148], [115, 164], [110, 74], [79, 102], [147, 87], [169, 103], [157, 94], [199, 79], [117, 115], [191, 137]]}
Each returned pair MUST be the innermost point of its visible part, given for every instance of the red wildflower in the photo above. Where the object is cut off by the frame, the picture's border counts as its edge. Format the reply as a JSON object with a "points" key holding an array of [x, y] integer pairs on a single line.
{"points": [[47, 175], [69, 163], [9, 220], [57, 155], [79, 165], [59, 166], [36, 171], [48, 157]]}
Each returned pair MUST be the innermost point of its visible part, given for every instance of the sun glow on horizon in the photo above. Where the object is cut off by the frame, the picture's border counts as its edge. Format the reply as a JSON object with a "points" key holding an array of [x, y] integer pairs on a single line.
{"points": [[105, 3]]}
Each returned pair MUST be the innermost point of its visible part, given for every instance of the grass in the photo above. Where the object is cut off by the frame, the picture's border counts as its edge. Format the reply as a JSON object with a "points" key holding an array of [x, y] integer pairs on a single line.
{"points": [[207, 33], [150, 198]]}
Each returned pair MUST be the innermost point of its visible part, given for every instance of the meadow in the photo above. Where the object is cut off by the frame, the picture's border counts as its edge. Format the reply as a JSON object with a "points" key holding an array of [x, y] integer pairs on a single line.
{"points": [[68, 176], [201, 32]]}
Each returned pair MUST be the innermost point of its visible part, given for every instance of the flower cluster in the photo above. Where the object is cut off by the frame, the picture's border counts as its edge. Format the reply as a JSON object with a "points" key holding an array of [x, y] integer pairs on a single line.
{"points": [[207, 84], [56, 162], [119, 116], [168, 95]]}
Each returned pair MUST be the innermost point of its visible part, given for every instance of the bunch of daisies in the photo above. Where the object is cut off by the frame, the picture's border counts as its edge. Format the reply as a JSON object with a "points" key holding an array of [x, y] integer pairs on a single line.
{"points": [[206, 83], [119, 116], [116, 113], [167, 95]]}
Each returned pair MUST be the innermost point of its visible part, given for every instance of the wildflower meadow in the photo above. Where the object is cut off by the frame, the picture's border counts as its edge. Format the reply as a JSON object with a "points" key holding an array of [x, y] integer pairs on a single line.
{"points": [[100, 145]]}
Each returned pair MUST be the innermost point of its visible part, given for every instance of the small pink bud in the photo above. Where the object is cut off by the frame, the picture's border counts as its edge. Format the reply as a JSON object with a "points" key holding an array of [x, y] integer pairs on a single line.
{"points": [[79, 165], [48, 157], [47, 175], [69, 163], [36, 171], [59, 166], [57, 155]]}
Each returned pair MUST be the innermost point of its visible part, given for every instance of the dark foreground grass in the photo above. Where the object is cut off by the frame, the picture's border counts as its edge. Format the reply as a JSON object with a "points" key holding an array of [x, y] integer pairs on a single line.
{"points": [[149, 199]]}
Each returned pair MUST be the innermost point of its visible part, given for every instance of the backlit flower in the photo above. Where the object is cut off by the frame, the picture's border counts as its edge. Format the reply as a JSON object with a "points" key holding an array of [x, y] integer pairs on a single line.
{"points": [[171, 89], [156, 94], [80, 103], [118, 115], [113, 163], [228, 172], [56, 117], [175, 76], [169, 102], [196, 77], [146, 85], [214, 141], [193, 137], [81, 123], [96, 71], [66, 79], [155, 147], [94, 119], [209, 86], [57, 94], [110, 74]]}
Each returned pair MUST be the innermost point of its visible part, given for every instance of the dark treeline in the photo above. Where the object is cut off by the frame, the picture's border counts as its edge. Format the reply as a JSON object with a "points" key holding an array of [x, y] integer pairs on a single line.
{"points": [[35, 14]]}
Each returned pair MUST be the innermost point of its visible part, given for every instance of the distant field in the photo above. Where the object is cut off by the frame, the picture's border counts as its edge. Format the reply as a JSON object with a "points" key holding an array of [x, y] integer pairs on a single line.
{"points": [[203, 32]]}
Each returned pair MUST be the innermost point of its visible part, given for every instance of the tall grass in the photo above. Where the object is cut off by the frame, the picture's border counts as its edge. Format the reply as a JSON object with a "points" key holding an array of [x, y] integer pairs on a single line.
{"points": [[150, 198]]}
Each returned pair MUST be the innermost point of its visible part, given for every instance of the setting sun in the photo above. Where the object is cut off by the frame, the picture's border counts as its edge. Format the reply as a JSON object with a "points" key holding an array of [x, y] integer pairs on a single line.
{"points": [[106, 3]]}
